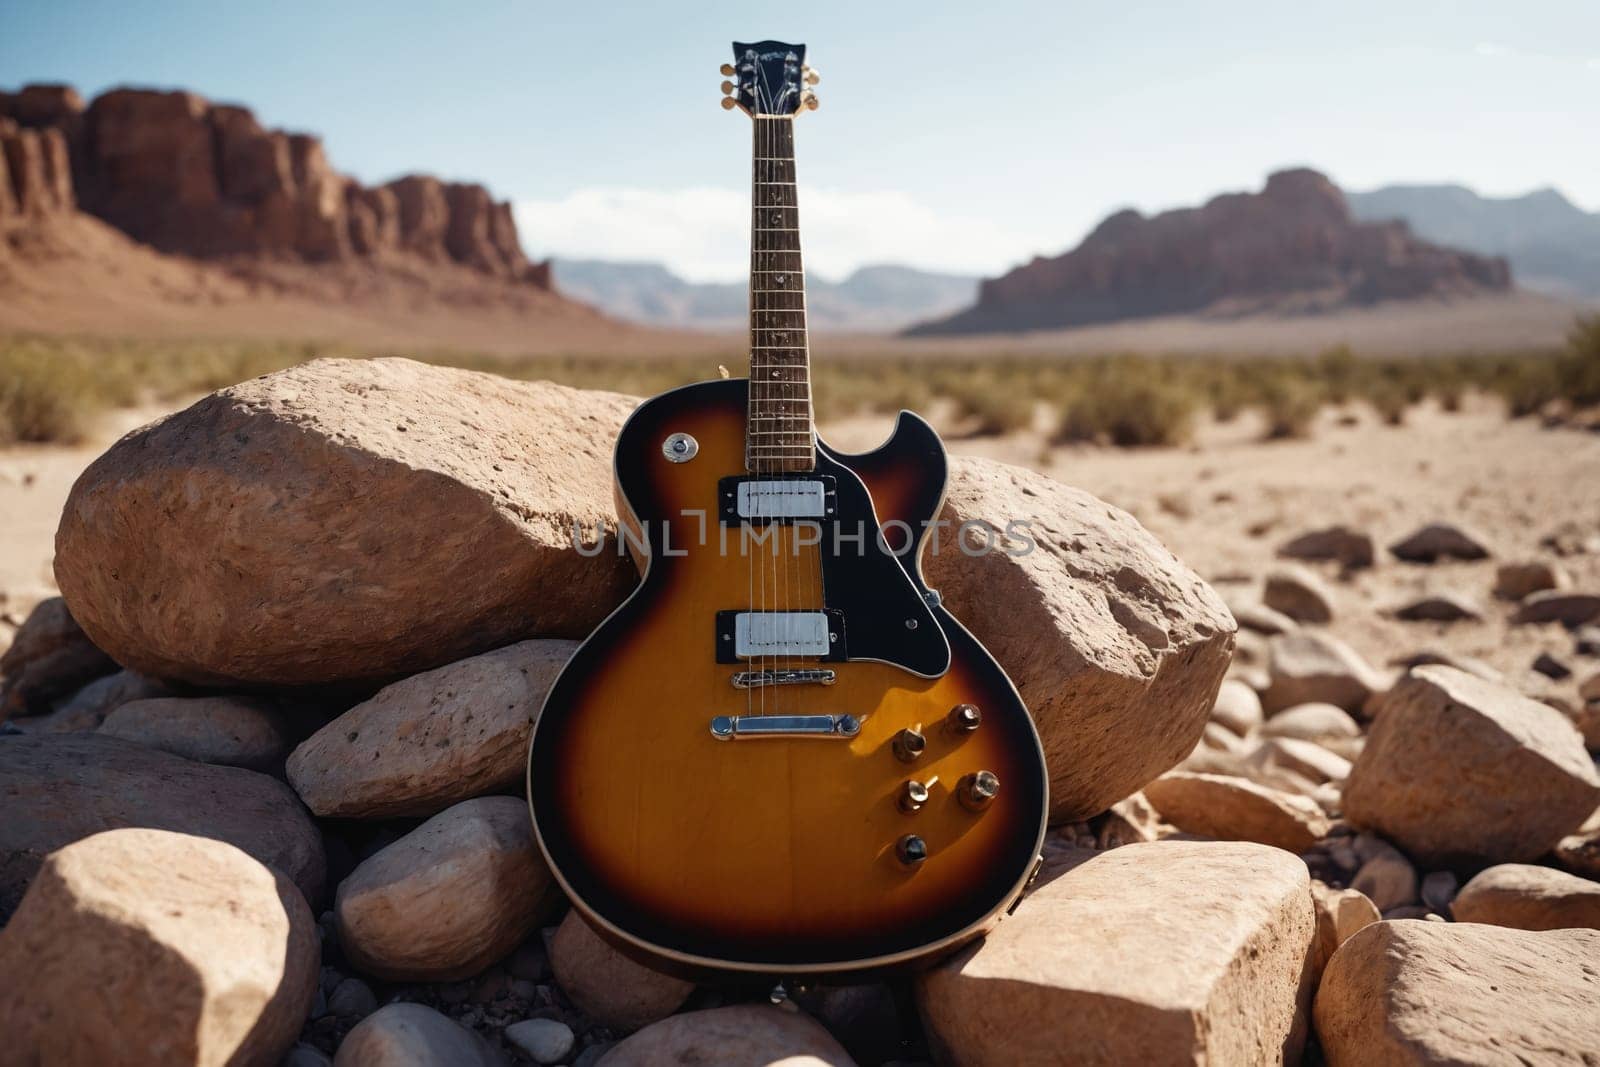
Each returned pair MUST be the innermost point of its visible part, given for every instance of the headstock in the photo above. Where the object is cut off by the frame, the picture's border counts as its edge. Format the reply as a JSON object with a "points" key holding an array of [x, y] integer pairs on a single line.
{"points": [[769, 79]]}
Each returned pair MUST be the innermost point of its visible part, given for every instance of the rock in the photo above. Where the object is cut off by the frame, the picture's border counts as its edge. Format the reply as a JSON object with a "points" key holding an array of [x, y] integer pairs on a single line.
{"points": [[545, 1040], [1420, 992], [1340, 913], [1132, 820], [1586, 640], [1386, 877], [412, 1035], [307, 1056], [1450, 659], [1551, 666], [1311, 722], [50, 657], [1439, 540], [753, 1034], [1237, 707], [449, 898], [1219, 737], [1457, 768], [1529, 898], [61, 789], [1213, 942], [1258, 618], [865, 1019], [1298, 593], [607, 986], [145, 946], [1580, 853], [424, 214], [433, 739], [1569, 609], [1439, 607], [460, 541], [1351, 548], [1307, 759], [1233, 809], [1116, 646], [1515, 581], [1438, 890], [352, 999], [234, 731], [1307, 667], [87, 709], [1289, 247]]}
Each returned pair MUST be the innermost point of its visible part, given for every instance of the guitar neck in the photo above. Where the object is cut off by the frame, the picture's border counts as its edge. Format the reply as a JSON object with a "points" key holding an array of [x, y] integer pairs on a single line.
{"points": [[779, 431]]}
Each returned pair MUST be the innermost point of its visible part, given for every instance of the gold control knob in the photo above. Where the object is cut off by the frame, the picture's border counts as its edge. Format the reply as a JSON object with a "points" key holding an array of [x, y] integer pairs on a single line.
{"points": [[908, 744], [977, 791], [912, 796], [911, 850], [964, 718], [727, 70]]}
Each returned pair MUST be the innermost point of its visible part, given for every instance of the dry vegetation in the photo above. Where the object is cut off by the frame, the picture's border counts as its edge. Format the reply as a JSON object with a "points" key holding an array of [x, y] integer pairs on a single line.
{"points": [[50, 387]]}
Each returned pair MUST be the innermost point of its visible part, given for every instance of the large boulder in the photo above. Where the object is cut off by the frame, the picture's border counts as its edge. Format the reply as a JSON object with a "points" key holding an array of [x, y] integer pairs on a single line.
{"points": [[1414, 992], [413, 1035], [60, 789], [144, 946], [607, 986], [50, 657], [1461, 769], [752, 1035], [232, 731], [1117, 647], [430, 740], [1235, 809], [448, 899], [1212, 944], [1528, 898], [345, 520]]}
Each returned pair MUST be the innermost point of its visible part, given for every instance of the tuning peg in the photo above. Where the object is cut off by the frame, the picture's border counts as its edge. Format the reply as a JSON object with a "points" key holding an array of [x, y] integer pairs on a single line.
{"points": [[729, 103], [727, 70], [727, 88], [812, 77], [810, 101]]}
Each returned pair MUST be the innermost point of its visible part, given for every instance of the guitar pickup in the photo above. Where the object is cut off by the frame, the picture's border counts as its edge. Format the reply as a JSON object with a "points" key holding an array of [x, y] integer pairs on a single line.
{"points": [[777, 498], [740, 727], [746, 635]]}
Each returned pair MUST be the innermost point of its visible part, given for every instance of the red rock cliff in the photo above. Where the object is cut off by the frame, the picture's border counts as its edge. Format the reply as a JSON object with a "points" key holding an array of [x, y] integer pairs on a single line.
{"points": [[181, 174], [1292, 245]]}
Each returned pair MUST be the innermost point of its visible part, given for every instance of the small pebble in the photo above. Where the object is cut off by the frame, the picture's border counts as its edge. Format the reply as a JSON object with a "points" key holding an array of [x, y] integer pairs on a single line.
{"points": [[352, 999], [546, 1040]]}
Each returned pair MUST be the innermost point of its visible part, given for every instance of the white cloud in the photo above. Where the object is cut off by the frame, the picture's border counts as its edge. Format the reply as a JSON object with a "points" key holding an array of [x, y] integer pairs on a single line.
{"points": [[703, 234]]}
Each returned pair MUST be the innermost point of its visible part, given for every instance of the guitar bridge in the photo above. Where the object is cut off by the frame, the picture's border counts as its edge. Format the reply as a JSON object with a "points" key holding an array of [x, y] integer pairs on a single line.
{"points": [[762, 679]]}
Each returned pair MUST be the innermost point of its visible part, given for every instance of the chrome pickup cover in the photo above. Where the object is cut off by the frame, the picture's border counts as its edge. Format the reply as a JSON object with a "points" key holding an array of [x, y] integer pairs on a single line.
{"points": [[790, 498], [780, 633]]}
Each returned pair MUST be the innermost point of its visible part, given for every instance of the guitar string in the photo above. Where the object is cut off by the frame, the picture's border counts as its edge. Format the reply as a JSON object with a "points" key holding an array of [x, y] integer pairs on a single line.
{"points": [[749, 454]]}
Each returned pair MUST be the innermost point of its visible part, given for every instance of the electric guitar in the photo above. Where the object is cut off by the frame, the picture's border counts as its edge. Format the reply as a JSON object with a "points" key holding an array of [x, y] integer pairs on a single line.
{"points": [[782, 755]]}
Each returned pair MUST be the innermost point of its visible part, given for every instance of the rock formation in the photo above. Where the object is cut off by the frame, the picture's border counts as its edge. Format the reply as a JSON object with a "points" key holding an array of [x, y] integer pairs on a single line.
{"points": [[186, 176], [1292, 246]]}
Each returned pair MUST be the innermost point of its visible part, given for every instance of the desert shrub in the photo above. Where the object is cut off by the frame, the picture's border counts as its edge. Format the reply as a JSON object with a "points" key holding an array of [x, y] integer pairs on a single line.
{"points": [[996, 403], [1290, 405], [45, 399], [1130, 404]]}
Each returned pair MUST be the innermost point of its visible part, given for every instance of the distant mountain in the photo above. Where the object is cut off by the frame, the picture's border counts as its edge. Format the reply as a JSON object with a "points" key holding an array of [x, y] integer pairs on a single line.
{"points": [[873, 299], [1553, 245], [1292, 247]]}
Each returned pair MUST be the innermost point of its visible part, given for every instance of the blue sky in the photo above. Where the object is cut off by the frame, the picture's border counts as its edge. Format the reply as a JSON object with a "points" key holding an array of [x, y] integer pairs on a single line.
{"points": [[960, 136]]}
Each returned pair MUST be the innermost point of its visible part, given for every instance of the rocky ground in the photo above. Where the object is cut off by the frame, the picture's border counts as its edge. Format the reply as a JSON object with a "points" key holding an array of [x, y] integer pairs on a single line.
{"points": [[1352, 818]]}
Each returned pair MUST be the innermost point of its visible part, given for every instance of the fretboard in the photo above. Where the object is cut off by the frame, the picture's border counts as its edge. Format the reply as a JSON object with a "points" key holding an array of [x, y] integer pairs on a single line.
{"points": [[779, 433]]}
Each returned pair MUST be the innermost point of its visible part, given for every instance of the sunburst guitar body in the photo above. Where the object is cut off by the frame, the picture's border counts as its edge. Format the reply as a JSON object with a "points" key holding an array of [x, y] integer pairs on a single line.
{"points": [[782, 755]]}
